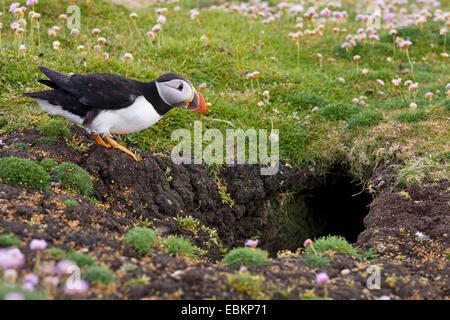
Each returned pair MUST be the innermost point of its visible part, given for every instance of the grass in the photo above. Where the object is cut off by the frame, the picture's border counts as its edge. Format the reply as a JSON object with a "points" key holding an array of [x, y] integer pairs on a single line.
{"points": [[74, 178], [24, 173], [48, 164], [411, 116], [81, 259], [316, 260], [180, 246], [248, 284], [71, 203], [142, 239], [55, 129], [98, 274], [9, 240], [332, 243], [222, 62], [245, 256]]}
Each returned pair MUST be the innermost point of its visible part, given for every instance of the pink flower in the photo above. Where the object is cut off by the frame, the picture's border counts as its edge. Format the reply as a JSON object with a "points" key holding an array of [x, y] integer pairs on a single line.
{"points": [[51, 281], [384, 298], [14, 6], [27, 286], [322, 278], [31, 3], [14, 296], [307, 243], [76, 287], [243, 269], [38, 244], [15, 26], [428, 95], [161, 20], [11, 258], [65, 266], [31, 278], [252, 243], [325, 12]]}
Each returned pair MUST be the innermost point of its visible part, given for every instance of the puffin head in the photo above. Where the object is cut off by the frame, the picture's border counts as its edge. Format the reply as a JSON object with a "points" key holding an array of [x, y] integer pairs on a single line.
{"points": [[177, 91]]}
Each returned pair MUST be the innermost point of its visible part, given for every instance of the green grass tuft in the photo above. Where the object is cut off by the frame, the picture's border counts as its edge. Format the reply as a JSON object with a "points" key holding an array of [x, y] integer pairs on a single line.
{"points": [[56, 129], [20, 145], [316, 260], [9, 240], [45, 140], [181, 246], [305, 100], [56, 253], [48, 164], [245, 256], [80, 259], [411, 116], [332, 243], [338, 111], [71, 203], [74, 178], [365, 118], [142, 239], [98, 274], [24, 173], [248, 284]]}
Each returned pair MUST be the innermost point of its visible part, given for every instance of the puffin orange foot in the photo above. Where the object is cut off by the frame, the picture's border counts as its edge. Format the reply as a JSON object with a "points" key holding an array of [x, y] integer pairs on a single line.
{"points": [[100, 141], [115, 145]]}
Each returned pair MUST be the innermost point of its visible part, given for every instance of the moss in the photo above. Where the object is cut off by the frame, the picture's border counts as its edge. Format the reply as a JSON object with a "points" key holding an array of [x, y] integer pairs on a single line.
{"points": [[55, 129], [9, 240], [48, 164], [338, 111], [245, 256], [365, 118], [80, 259], [74, 178], [98, 274], [142, 239], [24, 173], [181, 246]]}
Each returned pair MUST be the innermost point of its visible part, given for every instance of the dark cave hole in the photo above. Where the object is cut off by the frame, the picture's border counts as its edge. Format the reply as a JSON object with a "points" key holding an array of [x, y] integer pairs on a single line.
{"points": [[339, 206], [336, 206]]}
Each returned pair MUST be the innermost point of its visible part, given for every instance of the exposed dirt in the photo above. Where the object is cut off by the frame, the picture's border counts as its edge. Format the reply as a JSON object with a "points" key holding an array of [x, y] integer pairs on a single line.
{"points": [[148, 193]]}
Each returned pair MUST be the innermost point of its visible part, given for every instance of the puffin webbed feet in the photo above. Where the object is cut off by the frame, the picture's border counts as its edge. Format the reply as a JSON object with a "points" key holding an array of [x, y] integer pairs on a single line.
{"points": [[100, 141], [114, 144]]}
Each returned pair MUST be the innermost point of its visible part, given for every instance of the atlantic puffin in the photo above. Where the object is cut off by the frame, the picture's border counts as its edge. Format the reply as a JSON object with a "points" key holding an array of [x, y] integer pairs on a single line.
{"points": [[106, 104]]}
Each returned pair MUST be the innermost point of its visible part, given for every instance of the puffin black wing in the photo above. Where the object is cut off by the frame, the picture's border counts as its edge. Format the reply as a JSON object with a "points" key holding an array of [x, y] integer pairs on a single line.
{"points": [[106, 91]]}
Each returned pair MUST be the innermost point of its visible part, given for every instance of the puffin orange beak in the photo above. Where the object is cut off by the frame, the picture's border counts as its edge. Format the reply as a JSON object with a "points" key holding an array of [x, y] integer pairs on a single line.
{"points": [[198, 102]]}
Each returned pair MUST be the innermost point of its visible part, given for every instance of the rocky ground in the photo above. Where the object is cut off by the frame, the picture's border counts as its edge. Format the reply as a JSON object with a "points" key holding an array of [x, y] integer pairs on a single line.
{"points": [[413, 265]]}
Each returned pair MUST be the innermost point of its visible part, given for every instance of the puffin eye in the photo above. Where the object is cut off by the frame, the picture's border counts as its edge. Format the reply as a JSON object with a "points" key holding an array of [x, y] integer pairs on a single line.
{"points": [[180, 87]]}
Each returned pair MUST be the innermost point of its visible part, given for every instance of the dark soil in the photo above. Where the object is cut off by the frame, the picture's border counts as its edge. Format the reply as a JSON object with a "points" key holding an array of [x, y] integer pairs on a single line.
{"points": [[148, 193]]}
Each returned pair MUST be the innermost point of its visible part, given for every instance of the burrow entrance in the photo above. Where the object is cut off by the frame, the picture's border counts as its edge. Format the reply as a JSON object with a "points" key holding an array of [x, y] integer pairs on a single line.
{"points": [[335, 206]]}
